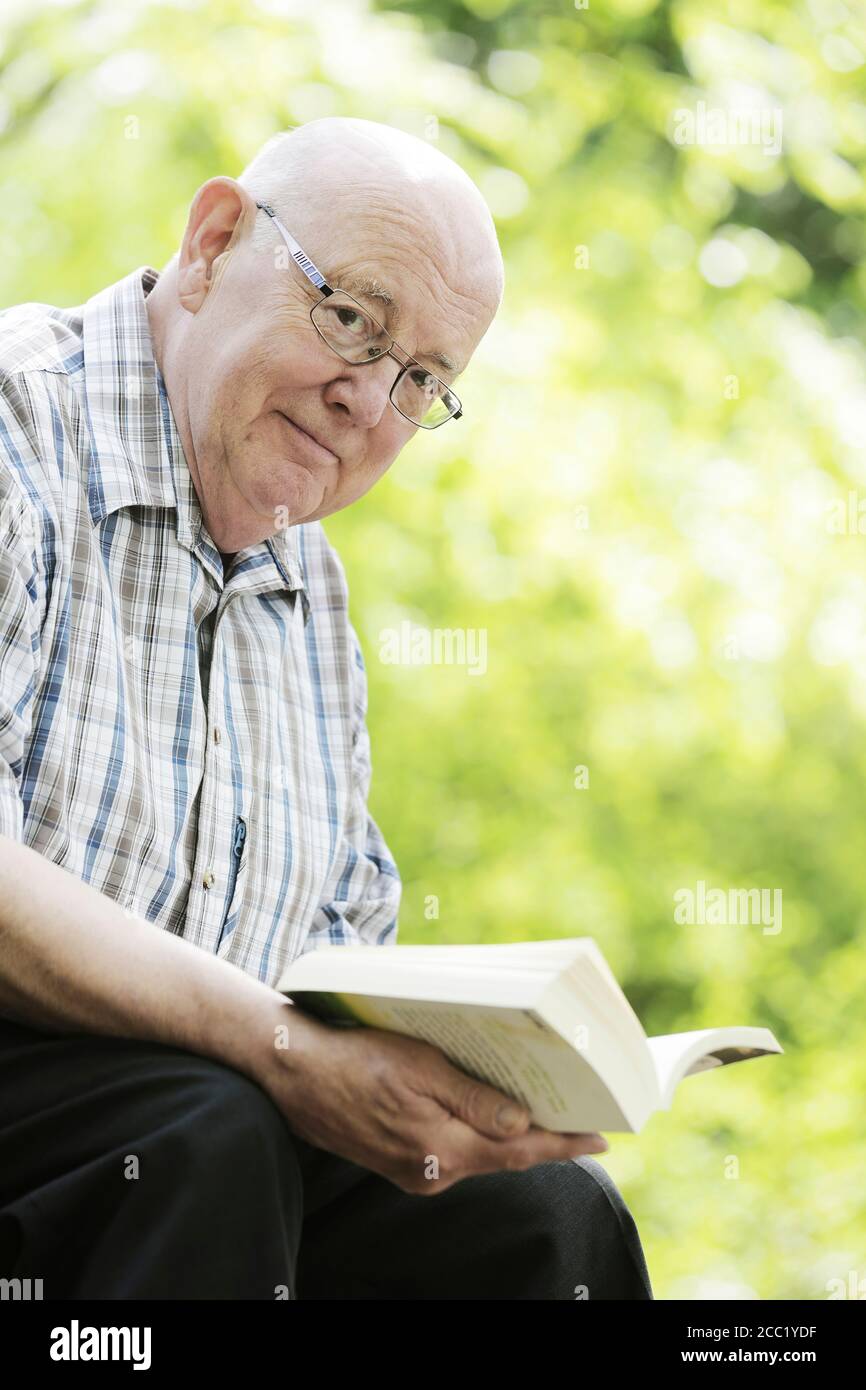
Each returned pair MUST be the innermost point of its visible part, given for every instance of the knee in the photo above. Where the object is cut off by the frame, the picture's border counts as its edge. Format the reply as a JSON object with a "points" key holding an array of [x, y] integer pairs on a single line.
{"points": [[607, 1231], [581, 1232], [593, 1179]]}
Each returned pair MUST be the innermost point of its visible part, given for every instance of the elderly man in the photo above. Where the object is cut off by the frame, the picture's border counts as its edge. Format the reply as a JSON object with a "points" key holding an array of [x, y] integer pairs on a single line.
{"points": [[183, 746]]}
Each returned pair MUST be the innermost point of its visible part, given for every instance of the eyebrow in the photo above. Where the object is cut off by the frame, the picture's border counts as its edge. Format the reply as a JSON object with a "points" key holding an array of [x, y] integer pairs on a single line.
{"points": [[368, 287]]}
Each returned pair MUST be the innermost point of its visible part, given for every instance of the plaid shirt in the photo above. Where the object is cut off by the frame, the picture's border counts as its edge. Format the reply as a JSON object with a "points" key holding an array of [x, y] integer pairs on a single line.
{"points": [[191, 744]]}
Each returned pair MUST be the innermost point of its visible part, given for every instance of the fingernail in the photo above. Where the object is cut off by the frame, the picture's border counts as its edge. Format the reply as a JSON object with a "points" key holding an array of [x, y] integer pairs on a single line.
{"points": [[598, 1146], [508, 1117]]}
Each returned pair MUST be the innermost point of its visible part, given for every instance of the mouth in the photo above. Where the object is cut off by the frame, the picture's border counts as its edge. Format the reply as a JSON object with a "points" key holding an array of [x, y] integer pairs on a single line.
{"points": [[316, 445]]}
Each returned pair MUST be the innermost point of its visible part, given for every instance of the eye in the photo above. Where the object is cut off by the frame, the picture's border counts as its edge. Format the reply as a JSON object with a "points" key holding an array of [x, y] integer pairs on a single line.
{"points": [[347, 324], [355, 322], [425, 382]]}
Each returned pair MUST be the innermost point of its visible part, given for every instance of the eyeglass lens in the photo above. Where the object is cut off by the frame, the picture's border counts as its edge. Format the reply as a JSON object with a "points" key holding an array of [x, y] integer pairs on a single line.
{"points": [[358, 338]]}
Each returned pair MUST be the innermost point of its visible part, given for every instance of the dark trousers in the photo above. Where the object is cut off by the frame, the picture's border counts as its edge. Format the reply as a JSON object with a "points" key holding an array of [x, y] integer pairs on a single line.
{"points": [[138, 1170]]}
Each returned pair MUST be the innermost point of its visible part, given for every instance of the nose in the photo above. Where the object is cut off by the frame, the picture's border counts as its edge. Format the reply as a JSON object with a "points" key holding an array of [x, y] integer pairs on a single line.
{"points": [[364, 390]]}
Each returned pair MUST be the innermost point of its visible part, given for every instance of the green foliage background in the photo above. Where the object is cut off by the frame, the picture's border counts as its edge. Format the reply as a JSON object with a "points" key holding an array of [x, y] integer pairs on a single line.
{"points": [[636, 508]]}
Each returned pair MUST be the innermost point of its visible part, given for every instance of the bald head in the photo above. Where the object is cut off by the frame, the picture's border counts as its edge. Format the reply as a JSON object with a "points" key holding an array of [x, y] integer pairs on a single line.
{"points": [[342, 172], [277, 428]]}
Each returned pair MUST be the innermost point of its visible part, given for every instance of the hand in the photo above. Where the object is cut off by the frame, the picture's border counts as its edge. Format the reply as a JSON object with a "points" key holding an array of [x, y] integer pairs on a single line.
{"points": [[397, 1106]]}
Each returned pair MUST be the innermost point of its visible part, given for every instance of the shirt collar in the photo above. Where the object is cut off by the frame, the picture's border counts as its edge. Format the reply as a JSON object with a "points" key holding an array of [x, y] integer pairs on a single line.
{"points": [[137, 457]]}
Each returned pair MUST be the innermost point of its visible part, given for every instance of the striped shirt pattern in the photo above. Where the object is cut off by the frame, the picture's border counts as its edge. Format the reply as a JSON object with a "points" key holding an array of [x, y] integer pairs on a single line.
{"points": [[192, 744]]}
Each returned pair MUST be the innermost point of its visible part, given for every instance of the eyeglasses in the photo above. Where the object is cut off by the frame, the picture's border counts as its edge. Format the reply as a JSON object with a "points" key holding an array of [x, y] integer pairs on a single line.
{"points": [[352, 332]]}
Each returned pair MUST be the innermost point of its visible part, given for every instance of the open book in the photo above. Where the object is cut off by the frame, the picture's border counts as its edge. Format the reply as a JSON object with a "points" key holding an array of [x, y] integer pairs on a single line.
{"points": [[543, 1021]]}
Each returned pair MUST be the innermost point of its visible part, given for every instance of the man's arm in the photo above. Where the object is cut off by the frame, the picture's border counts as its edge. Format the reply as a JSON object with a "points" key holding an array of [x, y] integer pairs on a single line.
{"points": [[73, 960]]}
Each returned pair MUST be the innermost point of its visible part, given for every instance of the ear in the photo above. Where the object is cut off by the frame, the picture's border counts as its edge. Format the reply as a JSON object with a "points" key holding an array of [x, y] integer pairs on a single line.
{"points": [[217, 215]]}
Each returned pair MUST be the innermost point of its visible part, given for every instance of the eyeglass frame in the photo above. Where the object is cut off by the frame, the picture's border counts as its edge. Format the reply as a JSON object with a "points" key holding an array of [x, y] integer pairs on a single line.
{"points": [[313, 274]]}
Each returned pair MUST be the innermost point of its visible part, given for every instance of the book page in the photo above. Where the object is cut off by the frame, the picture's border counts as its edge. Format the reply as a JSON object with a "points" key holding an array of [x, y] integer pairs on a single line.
{"points": [[677, 1055]]}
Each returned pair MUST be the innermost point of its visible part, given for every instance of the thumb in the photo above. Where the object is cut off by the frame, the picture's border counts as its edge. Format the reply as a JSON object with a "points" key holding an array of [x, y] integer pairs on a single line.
{"points": [[485, 1109]]}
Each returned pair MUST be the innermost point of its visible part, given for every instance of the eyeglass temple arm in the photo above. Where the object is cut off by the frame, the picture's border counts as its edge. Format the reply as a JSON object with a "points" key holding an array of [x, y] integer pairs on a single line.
{"points": [[298, 254]]}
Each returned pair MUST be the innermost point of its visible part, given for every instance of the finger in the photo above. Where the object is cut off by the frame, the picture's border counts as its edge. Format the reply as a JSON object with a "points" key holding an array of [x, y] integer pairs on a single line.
{"points": [[462, 1152], [481, 1107], [540, 1146]]}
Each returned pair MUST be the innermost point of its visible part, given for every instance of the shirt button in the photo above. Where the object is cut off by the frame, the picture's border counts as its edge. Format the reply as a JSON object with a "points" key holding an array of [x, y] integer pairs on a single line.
{"points": [[216, 735], [208, 879]]}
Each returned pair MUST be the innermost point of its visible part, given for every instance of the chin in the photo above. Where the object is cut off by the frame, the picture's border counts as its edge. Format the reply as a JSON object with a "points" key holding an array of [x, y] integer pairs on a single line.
{"points": [[292, 497]]}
